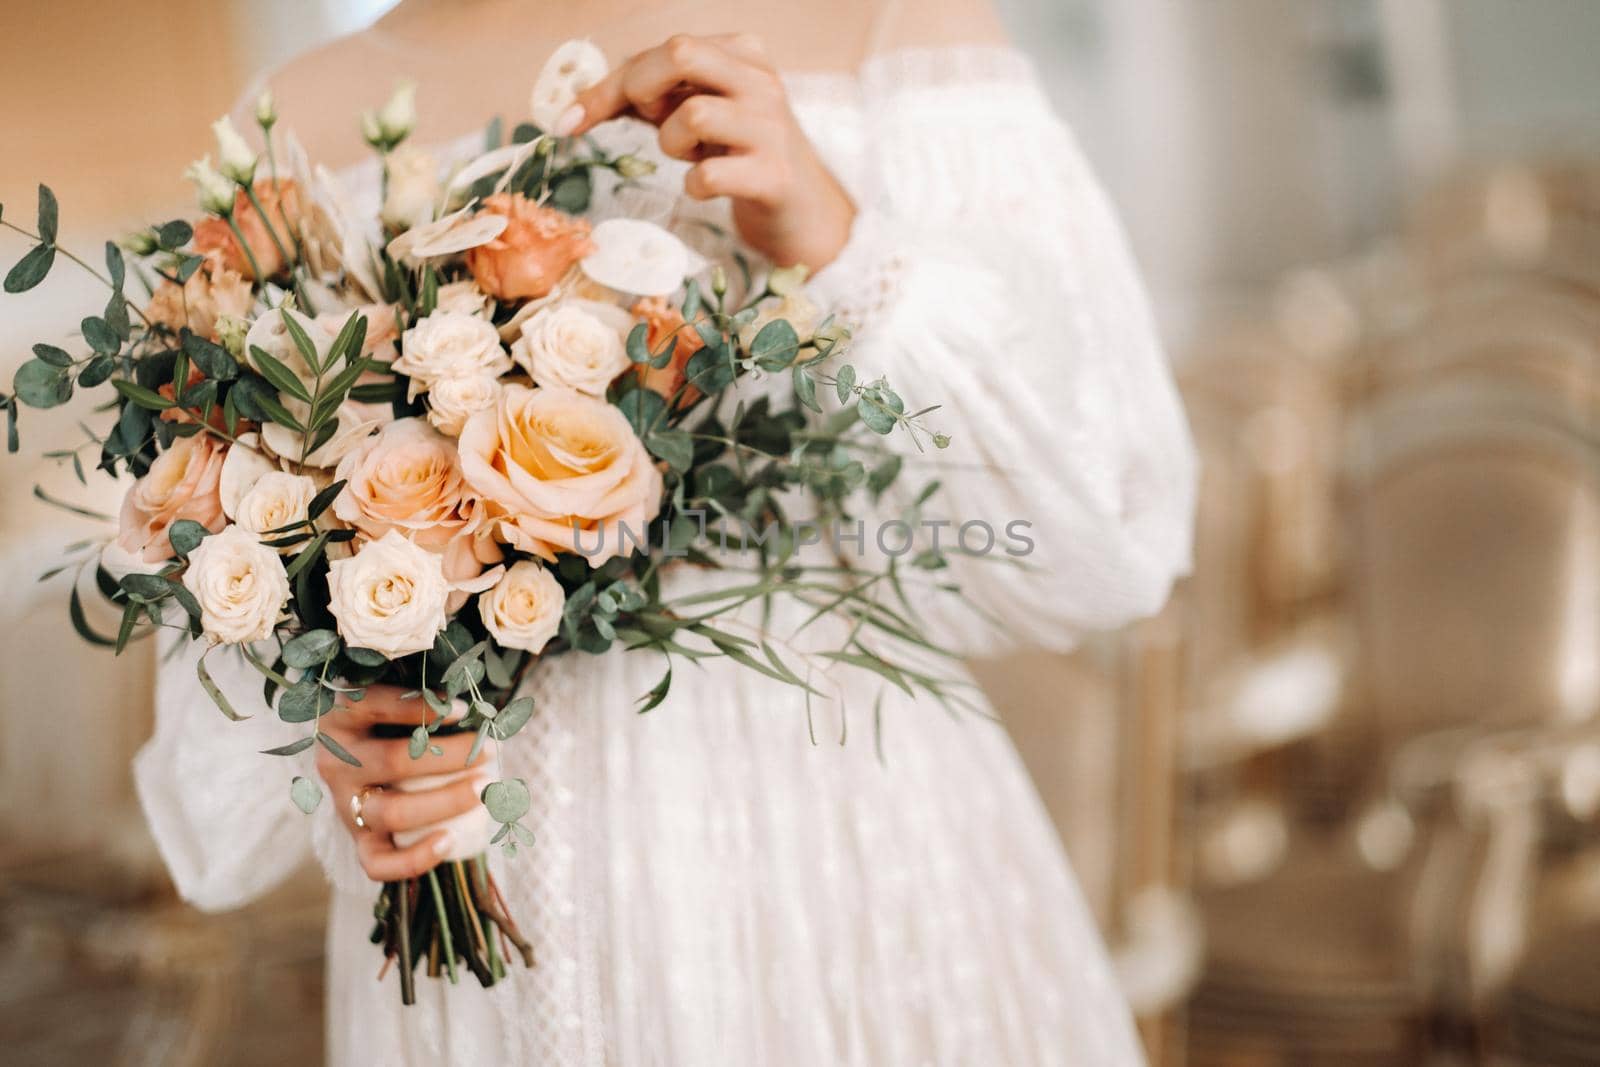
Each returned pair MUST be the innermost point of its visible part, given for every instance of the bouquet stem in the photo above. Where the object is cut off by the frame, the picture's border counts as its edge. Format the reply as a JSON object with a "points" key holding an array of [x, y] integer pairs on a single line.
{"points": [[465, 922]]}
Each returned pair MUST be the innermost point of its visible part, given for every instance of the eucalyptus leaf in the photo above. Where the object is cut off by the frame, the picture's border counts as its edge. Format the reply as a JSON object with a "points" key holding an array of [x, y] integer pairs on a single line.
{"points": [[776, 346], [642, 407], [844, 382], [805, 389], [97, 371], [293, 748], [338, 750], [214, 361], [173, 235], [507, 800], [311, 649], [305, 793], [31, 269], [674, 446], [116, 266], [215, 692], [187, 266], [101, 337], [709, 370], [49, 214], [39, 385], [304, 701], [513, 717], [52, 355]]}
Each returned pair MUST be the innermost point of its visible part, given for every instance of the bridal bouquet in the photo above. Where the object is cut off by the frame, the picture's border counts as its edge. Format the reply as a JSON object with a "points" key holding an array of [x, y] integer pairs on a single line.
{"points": [[433, 448]]}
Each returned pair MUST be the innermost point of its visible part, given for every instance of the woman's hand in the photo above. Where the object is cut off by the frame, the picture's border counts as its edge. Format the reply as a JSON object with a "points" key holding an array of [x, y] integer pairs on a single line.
{"points": [[720, 104], [384, 762]]}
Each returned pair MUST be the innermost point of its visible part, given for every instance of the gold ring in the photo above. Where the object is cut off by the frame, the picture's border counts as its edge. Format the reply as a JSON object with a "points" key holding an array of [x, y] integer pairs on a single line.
{"points": [[357, 802]]}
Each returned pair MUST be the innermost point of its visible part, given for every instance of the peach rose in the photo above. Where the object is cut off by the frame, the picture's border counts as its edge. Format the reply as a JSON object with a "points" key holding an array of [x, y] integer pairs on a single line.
{"points": [[562, 471], [202, 300], [665, 320], [214, 238], [182, 483], [408, 478], [530, 256]]}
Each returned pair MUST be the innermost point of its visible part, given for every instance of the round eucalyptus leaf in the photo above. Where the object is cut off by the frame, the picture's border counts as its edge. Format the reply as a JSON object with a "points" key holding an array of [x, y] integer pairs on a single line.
{"points": [[186, 535], [506, 800], [39, 385], [305, 793], [311, 649]]}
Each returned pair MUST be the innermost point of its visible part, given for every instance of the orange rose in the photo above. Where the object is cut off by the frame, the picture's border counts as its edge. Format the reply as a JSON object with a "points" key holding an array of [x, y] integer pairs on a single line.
{"points": [[665, 320], [538, 246], [214, 238], [202, 300], [182, 483]]}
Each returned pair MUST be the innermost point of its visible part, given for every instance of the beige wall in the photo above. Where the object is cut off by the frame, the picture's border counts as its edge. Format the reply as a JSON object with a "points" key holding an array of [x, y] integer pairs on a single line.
{"points": [[105, 102]]}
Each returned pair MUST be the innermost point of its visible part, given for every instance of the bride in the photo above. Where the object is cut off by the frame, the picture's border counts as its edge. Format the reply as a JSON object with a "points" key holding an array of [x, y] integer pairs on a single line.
{"points": [[722, 881]]}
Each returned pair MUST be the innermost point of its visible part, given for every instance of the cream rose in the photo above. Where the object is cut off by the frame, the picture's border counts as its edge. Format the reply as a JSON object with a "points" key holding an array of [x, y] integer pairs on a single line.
{"points": [[240, 585], [450, 345], [562, 470], [523, 610], [578, 344], [277, 499], [452, 401], [390, 596], [463, 298], [412, 188], [182, 483]]}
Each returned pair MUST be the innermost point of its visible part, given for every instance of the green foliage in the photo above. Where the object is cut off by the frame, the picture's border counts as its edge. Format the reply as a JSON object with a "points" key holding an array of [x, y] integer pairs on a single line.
{"points": [[305, 793]]}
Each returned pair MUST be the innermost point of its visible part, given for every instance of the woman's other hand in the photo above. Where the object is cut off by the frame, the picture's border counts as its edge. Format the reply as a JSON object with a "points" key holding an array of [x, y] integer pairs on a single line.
{"points": [[384, 762], [720, 104]]}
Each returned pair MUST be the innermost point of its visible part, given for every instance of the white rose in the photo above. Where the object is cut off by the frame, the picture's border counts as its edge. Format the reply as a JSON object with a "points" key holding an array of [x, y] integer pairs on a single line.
{"points": [[452, 401], [450, 345], [412, 190], [275, 500], [578, 344], [463, 298], [240, 585], [524, 608], [390, 596]]}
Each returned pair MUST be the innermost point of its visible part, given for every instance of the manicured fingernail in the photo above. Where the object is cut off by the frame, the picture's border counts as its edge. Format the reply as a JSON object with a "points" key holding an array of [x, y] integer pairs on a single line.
{"points": [[458, 709], [569, 120], [442, 847]]}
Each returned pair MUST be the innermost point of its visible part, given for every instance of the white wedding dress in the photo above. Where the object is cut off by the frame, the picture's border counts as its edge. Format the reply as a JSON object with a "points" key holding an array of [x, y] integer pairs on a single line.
{"points": [[709, 886]]}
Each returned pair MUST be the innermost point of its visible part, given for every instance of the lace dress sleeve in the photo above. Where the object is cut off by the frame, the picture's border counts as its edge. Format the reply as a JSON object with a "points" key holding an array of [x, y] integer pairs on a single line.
{"points": [[986, 271], [219, 809]]}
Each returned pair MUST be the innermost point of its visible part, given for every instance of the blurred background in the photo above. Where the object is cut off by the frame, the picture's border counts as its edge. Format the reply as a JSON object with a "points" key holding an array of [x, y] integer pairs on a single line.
{"points": [[1339, 804]]}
